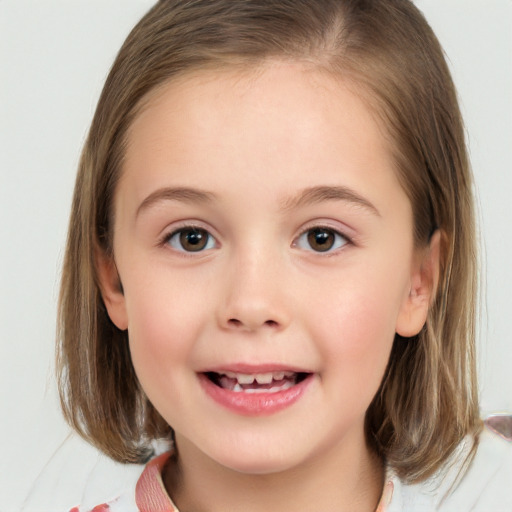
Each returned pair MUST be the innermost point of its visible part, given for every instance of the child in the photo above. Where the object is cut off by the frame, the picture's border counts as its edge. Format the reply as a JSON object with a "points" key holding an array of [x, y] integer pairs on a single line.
{"points": [[271, 265]]}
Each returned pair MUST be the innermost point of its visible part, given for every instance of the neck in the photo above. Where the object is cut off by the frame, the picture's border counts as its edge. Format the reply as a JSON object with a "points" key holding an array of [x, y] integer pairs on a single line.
{"points": [[345, 478]]}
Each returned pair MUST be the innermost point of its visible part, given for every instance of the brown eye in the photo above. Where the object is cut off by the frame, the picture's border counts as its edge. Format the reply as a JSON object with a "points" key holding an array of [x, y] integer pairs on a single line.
{"points": [[191, 240], [321, 240]]}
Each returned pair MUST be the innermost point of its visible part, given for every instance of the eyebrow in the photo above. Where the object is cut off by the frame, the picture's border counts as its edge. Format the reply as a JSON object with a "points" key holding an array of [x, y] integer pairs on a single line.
{"points": [[307, 197], [314, 195], [183, 194]]}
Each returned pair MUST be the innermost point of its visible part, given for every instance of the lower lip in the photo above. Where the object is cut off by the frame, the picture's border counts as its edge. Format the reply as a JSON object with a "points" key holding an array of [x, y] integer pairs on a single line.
{"points": [[254, 404]]}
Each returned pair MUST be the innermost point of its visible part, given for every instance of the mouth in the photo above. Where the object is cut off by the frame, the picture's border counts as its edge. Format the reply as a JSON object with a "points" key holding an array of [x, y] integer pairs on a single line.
{"points": [[262, 391], [268, 382]]}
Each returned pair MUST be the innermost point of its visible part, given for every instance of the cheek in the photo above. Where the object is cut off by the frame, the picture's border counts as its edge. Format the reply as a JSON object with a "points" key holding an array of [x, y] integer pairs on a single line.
{"points": [[358, 355], [162, 328], [162, 323], [356, 327], [361, 330]]}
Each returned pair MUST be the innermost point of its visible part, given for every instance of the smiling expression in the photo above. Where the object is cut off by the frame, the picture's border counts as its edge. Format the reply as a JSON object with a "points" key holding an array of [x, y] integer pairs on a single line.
{"points": [[265, 249]]}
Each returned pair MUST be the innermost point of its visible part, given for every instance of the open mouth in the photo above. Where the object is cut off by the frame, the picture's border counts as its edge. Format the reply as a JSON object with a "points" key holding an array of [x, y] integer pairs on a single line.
{"points": [[270, 382]]}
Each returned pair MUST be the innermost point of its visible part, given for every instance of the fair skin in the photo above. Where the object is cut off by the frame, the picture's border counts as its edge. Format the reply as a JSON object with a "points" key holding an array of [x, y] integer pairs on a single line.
{"points": [[255, 161]]}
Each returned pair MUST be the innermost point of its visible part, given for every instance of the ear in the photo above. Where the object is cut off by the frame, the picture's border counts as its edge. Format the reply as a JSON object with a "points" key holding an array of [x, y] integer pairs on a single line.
{"points": [[111, 289], [424, 280]]}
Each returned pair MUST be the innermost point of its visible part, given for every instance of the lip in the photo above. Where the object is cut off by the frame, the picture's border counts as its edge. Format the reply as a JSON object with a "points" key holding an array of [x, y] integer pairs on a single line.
{"points": [[255, 404], [255, 368]]}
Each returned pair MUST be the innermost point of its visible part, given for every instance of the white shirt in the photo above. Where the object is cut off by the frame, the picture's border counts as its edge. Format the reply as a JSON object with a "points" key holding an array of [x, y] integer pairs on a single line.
{"points": [[484, 486]]}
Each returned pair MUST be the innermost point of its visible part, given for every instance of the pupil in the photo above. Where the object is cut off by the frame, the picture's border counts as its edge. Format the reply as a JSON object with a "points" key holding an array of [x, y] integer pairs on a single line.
{"points": [[193, 239], [321, 239]]}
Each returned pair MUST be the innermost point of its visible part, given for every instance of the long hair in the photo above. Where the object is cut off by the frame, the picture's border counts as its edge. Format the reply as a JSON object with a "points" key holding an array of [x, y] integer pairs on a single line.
{"points": [[427, 401]]}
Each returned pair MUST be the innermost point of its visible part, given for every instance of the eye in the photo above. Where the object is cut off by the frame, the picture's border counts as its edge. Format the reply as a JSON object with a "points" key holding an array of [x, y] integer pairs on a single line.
{"points": [[191, 239], [321, 239]]}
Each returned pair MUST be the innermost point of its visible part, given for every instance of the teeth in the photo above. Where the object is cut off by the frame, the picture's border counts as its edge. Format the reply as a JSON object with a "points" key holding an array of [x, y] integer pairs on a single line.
{"points": [[270, 382], [244, 378], [264, 378], [273, 389], [260, 378]]}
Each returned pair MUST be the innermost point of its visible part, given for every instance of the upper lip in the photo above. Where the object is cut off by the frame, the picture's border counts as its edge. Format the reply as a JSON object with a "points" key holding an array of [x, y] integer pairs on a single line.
{"points": [[249, 368]]}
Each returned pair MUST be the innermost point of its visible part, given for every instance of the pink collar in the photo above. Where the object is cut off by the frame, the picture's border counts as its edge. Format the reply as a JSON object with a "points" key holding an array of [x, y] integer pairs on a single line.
{"points": [[151, 496], [150, 493]]}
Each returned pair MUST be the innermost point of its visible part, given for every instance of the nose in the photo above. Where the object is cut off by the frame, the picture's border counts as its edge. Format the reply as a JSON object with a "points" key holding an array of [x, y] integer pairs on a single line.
{"points": [[254, 295]]}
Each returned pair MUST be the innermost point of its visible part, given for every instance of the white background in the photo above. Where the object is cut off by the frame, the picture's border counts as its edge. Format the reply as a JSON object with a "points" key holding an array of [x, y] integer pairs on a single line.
{"points": [[54, 57]]}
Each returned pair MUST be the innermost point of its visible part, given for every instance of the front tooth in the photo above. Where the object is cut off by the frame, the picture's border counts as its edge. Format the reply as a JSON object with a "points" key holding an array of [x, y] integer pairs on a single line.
{"points": [[244, 378], [264, 378]]}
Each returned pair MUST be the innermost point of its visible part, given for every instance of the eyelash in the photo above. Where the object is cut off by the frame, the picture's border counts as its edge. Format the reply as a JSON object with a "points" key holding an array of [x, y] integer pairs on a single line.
{"points": [[211, 241], [198, 230], [331, 232]]}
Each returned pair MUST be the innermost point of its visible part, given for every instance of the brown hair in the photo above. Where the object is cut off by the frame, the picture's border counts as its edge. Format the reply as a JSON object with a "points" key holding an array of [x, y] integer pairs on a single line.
{"points": [[428, 399]]}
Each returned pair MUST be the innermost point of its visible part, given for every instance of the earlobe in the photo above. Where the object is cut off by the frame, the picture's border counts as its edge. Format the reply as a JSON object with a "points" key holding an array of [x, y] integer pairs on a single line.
{"points": [[424, 282], [111, 289]]}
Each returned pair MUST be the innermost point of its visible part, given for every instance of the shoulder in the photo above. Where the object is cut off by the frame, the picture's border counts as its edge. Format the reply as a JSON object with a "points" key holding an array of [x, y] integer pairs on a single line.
{"points": [[146, 492], [483, 484], [77, 475], [487, 483], [110, 487]]}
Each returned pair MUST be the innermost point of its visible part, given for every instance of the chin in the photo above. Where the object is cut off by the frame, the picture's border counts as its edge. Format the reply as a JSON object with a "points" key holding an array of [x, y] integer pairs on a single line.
{"points": [[257, 461]]}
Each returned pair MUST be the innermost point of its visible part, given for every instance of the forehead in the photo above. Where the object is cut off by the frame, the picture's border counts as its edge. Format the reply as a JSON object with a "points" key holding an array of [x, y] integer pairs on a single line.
{"points": [[269, 121], [301, 85], [311, 95]]}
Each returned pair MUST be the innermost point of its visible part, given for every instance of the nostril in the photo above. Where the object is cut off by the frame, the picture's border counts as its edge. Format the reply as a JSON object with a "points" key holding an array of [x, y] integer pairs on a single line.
{"points": [[234, 322]]}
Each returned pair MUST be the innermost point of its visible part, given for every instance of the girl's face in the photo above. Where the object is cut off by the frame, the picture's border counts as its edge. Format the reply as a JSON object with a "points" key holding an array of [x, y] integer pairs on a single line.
{"points": [[266, 256]]}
